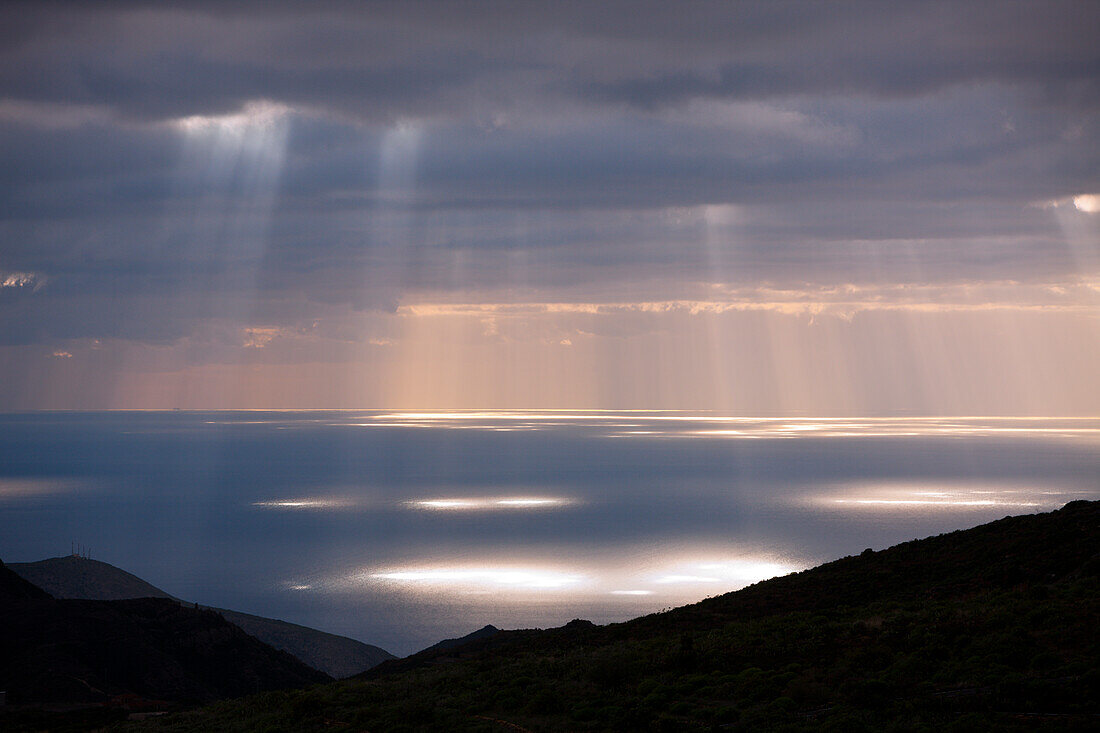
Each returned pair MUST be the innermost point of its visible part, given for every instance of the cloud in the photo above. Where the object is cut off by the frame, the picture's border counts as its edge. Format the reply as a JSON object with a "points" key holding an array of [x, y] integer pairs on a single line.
{"points": [[393, 59], [257, 337], [842, 301], [294, 177], [1087, 202], [19, 280]]}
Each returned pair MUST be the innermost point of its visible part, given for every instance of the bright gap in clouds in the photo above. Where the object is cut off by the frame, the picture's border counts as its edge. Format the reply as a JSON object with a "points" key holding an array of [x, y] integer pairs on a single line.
{"points": [[229, 170], [247, 120], [1087, 202]]}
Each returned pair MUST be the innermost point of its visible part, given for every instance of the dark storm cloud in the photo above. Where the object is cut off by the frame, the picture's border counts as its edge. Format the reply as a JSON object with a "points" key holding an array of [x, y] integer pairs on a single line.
{"points": [[381, 60], [537, 145], [742, 153]]}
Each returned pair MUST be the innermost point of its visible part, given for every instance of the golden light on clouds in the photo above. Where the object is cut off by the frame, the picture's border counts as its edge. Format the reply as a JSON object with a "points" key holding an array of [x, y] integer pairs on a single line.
{"points": [[1087, 202], [966, 348], [1079, 296]]}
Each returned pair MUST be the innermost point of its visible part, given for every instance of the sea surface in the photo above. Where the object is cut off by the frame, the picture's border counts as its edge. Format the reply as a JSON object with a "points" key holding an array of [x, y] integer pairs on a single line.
{"points": [[400, 529]]}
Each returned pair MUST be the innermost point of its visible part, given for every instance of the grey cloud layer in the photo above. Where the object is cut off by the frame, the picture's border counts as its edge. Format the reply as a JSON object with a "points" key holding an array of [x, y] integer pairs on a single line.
{"points": [[565, 147], [387, 59]]}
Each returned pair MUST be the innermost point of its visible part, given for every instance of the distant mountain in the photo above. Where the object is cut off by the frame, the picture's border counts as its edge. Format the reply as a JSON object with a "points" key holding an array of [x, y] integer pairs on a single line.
{"points": [[82, 578], [336, 656], [89, 652], [73, 576]]}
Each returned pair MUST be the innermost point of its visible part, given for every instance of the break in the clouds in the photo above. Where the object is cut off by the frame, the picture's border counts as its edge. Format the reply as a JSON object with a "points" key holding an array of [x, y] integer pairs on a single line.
{"points": [[822, 207]]}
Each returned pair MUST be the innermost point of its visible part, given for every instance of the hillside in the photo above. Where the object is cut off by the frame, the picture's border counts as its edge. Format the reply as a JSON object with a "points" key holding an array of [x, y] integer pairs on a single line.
{"points": [[336, 656], [77, 652], [78, 577], [992, 628], [14, 588], [483, 633], [73, 576]]}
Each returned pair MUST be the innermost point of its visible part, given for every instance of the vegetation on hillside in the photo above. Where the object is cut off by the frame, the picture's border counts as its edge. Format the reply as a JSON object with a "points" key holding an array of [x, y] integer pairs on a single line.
{"points": [[990, 628]]}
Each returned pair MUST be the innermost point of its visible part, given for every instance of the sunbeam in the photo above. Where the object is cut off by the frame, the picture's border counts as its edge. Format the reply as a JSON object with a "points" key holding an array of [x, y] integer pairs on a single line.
{"points": [[397, 318]]}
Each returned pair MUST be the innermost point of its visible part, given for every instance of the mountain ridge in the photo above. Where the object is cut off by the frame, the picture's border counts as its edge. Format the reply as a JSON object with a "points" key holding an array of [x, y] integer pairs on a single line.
{"points": [[77, 577], [990, 628], [483, 633], [90, 652]]}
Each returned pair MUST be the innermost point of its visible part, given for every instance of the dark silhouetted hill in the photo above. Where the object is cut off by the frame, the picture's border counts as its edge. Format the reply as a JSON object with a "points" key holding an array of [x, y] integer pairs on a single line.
{"points": [[85, 652], [73, 576], [336, 656], [483, 633], [82, 578], [15, 588], [992, 628]]}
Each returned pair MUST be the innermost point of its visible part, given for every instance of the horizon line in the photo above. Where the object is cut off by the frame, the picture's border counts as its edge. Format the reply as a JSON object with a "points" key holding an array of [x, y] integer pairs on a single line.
{"points": [[610, 411]]}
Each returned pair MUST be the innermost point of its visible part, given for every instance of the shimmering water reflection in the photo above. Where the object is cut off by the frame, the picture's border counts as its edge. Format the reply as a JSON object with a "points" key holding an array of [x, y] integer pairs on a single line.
{"points": [[677, 579], [484, 504], [946, 497], [306, 503], [483, 578], [515, 503], [403, 528]]}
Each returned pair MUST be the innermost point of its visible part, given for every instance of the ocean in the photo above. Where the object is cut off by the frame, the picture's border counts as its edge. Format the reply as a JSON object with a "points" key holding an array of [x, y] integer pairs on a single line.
{"points": [[404, 528]]}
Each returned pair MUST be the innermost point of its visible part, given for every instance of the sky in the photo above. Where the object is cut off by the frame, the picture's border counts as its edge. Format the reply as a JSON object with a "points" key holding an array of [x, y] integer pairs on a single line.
{"points": [[759, 208]]}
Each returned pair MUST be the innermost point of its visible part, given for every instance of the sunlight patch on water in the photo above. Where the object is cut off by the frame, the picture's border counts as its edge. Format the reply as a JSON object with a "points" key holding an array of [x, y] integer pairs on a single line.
{"points": [[687, 579], [14, 489], [910, 497], [749, 428], [633, 573], [306, 503], [440, 504], [482, 577], [937, 502], [672, 424], [491, 503], [730, 574]]}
